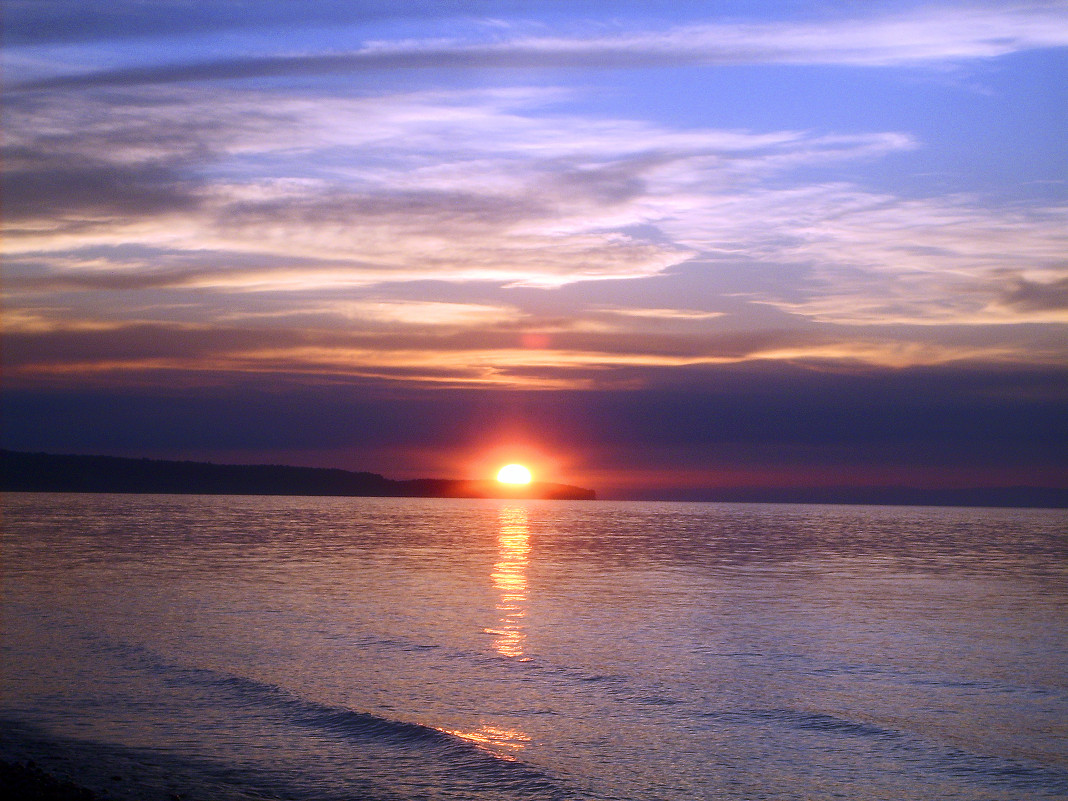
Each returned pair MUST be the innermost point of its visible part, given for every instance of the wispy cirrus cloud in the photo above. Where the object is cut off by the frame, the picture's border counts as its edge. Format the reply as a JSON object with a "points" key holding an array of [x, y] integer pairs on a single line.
{"points": [[261, 230], [463, 187], [925, 36], [876, 259]]}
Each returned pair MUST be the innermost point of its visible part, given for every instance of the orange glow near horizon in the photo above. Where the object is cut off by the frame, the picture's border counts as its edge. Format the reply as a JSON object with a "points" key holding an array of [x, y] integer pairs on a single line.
{"points": [[482, 460], [513, 474]]}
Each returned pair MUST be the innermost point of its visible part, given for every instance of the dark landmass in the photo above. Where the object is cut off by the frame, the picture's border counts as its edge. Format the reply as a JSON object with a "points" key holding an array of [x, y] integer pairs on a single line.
{"points": [[42, 472], [27, 782], [36, 765], [39, 472]]}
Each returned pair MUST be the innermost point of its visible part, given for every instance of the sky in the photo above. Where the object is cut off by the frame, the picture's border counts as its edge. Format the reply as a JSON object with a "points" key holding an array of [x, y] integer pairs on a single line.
{"points": [[657, 249]]}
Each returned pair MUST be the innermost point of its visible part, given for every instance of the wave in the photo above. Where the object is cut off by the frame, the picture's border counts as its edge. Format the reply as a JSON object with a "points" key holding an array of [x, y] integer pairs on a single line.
{"points": [[473, 770], [913, 748]]}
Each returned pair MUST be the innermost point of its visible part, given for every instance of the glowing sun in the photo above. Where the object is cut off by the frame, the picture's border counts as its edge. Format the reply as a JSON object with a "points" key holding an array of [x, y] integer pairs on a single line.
{"points": [[513, 474]]}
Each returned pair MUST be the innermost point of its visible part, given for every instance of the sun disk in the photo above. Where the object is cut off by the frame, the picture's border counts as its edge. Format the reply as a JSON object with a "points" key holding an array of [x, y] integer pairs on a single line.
{"points": [[513, 474]]}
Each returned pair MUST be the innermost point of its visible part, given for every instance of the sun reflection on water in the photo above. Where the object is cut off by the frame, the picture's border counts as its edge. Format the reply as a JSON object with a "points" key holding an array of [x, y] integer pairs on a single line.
{"points": [[510, 578], [501, 742], [509, 635]]}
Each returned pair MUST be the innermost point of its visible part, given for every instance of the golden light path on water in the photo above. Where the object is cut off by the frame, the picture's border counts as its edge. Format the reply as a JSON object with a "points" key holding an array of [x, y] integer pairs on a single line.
{"points": [[510, 579]]}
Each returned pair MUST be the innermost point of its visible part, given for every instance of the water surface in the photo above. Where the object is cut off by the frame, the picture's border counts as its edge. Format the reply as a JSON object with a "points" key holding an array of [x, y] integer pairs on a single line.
{"points": [[457, 649]]}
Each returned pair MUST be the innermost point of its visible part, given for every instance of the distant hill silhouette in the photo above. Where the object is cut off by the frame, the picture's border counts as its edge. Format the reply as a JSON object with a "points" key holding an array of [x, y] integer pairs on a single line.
{"points": [[42, 472]]}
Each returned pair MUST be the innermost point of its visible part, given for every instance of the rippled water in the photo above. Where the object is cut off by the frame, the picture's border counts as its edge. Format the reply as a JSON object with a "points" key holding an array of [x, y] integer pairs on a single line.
{"points": [[360, 648]]}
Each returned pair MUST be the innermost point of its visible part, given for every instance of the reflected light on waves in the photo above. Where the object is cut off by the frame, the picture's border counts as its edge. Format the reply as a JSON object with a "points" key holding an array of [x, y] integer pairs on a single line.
{"points": [[510, 578], [494, 739]]}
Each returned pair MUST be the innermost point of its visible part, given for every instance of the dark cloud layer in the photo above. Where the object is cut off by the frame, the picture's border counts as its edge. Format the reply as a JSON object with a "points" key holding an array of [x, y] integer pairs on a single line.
{"points": [[91, 190], [806, 427], [1036, 295], [198, 344], [34, 21]]}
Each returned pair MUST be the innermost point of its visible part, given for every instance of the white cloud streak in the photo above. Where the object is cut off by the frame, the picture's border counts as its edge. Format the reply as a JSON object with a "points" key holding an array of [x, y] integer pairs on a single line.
{"points": [[463, 187], [248, 207], [920, 37]]}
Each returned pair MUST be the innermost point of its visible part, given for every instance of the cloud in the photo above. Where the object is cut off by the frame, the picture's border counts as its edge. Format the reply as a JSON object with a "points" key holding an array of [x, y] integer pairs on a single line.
{"points": [[877, 259], [919, 37], [1036, 296], [352, 192], [40, 21], [455, 345], [440, 236], [94, 191], [731, 425], [673, 315]]}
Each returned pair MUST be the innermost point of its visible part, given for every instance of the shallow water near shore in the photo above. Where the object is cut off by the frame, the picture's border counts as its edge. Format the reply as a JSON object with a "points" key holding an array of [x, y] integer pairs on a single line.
{"points": [[370, 648]]}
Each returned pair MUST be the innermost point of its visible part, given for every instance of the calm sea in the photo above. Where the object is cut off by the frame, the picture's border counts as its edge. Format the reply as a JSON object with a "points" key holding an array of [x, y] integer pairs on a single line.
{"points": [[362, 648]]}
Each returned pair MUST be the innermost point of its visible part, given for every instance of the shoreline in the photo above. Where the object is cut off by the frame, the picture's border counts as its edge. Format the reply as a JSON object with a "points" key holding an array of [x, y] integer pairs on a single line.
{"points": [[28, 782], [38, 766]]}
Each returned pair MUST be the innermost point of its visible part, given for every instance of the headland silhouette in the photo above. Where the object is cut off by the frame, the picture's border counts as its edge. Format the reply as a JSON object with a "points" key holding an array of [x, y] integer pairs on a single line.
{"points": [[42, 472]]}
